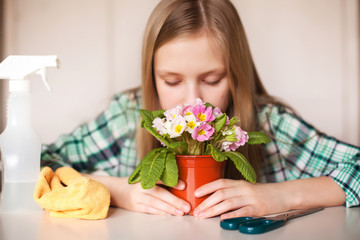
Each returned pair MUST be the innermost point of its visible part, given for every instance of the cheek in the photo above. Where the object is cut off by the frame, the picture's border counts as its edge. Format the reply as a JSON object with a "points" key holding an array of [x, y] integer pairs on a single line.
{"points": [[225, 95], [220, 97], [168, 97], [223, 101]]}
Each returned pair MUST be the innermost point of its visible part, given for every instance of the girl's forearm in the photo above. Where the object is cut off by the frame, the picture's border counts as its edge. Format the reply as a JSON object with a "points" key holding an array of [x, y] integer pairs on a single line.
{"points": [[312, 192]]}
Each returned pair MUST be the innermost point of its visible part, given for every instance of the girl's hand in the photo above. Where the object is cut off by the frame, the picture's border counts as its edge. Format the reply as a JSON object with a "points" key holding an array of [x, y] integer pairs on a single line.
{"points": [[156, 200], [238, 198], [133, 197], [241, 198]]}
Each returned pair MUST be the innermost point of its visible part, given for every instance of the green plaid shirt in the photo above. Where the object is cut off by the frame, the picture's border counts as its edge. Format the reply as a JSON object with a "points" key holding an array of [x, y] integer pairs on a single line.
{"points": [[107, 146]]}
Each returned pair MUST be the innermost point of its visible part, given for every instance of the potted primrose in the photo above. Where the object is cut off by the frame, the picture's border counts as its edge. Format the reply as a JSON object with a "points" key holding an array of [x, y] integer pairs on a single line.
{"points": [[197, 139]]}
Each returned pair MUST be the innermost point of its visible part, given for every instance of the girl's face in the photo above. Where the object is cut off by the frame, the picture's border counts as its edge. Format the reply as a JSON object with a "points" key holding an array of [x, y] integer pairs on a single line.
{"points": [[191, 67]]}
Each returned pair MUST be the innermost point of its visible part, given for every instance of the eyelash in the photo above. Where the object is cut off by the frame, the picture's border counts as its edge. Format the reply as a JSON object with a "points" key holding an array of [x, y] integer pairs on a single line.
{"points": [[171, 84], [212, 83]]}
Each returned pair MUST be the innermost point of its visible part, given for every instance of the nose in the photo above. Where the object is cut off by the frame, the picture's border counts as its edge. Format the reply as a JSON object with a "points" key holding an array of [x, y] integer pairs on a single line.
{"points": [[192, 92]]}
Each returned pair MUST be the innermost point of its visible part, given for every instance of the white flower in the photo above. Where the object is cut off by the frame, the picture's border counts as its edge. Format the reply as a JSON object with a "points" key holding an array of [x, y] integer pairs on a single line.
{"points": [[176, 127], [191, 123]]}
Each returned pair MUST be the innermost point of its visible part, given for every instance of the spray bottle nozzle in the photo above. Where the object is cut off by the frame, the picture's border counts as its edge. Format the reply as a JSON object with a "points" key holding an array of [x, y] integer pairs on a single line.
{"points": [[19, 67], [42, 73]]}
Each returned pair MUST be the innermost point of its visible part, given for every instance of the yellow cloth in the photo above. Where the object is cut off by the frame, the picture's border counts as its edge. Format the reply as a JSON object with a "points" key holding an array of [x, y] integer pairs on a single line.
{"points": [[66, 193]]}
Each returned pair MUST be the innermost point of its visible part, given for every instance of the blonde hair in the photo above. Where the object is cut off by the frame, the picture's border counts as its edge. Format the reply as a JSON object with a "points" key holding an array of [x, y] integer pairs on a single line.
{"points": [[219, 19]]}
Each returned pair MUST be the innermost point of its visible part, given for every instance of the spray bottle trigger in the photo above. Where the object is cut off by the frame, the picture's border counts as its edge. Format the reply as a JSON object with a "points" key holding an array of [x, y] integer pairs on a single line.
{"points": [[42, 73]]}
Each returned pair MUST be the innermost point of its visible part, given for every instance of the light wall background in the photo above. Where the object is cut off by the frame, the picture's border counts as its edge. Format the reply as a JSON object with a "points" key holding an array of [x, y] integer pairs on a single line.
{"points": [[306, 51]]}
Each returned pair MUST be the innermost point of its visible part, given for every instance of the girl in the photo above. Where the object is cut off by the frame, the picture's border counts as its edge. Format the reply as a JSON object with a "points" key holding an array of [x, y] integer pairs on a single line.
{"points": [[198, 49]]}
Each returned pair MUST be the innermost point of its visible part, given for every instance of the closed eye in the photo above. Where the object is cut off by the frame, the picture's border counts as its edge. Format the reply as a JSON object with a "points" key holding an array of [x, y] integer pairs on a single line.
{"points": [[214, 78], [212, 82], [172, 83]]}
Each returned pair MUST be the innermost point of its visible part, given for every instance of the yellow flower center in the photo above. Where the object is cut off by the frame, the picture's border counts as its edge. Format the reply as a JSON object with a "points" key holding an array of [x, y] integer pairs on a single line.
{"points": [[201, 117], [178, 128], [191, 125], [201, 132]]}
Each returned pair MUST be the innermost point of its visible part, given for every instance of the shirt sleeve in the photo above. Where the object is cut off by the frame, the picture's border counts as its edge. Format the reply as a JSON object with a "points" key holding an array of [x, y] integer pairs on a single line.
{"points": [[298, 150], [105, 145]]}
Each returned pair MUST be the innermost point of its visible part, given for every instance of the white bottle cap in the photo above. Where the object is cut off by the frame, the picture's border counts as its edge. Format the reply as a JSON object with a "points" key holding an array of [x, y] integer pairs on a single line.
{"points": [[19, 85], [16, 67]]}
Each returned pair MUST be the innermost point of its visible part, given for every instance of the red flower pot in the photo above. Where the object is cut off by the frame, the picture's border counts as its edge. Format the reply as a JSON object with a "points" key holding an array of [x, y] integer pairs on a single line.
{"points": [[195, 171]]}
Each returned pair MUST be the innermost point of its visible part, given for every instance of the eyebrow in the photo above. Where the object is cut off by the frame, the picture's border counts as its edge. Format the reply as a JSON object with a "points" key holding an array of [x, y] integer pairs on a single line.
{"points": [[219, 71], [168, 73]]}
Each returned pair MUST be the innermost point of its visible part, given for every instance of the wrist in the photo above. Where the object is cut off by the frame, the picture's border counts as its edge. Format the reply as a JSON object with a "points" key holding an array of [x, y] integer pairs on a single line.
{"points": [[293, 197]]}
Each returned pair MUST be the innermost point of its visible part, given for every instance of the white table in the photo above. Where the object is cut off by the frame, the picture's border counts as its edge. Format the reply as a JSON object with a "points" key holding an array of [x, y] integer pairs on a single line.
{"points": [[331, 223]]}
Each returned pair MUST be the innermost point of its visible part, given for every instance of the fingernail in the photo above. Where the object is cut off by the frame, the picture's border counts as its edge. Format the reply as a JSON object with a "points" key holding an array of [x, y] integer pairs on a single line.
{"points": [[196, 211], [201, 214], [186, 208], [182, 186], [197, 193], [179, 212]]}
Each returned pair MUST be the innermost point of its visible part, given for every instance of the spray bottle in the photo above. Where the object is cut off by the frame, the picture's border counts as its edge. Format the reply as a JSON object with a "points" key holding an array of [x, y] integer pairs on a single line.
{"points": [[19, 144]]}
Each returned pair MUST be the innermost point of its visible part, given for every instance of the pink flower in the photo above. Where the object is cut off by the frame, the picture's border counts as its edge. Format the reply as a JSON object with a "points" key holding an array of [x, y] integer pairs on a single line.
{"points": [[158, 124], [203, 114], [217, 112], [172, 113], [203, 132], [187, 110], [227, 120], [242, 138], [198, 101], [241, 135]]}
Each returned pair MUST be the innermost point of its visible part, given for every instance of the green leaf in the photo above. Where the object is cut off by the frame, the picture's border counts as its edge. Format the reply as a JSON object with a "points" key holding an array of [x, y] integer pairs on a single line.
{"points": [[152, 168], [258, 138], [170, 174], [156, 134], [178, 147], [216, 154], [158, 113], [243, 165], [233, 121], [209, 105], [147, 118], [135, 176], [219, 122], [231, 138]]}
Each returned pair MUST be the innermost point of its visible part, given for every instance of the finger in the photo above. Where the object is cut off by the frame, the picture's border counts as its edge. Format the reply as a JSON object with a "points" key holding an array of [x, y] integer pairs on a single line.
{"points": [[157, 205], [242, 212], [222, 207], [151, 210], [214, 186], [180, 185], [169, 198], [216, 198]]}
